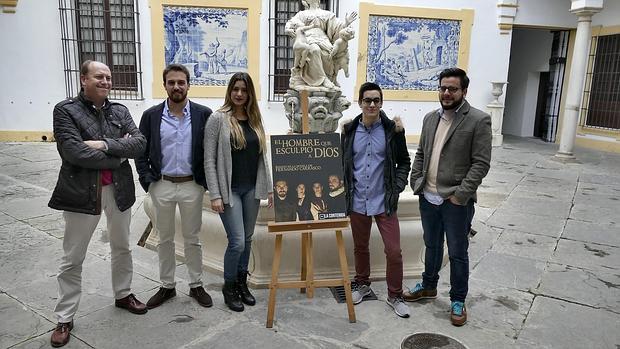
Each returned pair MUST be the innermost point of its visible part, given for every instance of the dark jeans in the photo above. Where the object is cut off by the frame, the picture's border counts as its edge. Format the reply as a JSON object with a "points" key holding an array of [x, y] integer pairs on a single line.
{"points": [[455, 222], [239, 221]]}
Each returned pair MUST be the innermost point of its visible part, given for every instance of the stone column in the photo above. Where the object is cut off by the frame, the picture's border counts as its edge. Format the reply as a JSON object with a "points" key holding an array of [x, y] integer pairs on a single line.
{"points": [[584, 9]]}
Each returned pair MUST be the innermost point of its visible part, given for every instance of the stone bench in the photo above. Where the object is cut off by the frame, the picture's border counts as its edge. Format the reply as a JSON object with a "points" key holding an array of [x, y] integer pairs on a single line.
{"points": [[326, 265]]}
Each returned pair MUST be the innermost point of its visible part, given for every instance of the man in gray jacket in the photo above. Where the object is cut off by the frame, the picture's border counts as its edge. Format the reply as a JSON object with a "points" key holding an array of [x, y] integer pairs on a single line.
{"points": [[453, 157], [94, 138]]}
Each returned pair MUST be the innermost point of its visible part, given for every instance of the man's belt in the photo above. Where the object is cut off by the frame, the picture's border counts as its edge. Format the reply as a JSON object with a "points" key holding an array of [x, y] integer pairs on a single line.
{"points": [[178, 179]]}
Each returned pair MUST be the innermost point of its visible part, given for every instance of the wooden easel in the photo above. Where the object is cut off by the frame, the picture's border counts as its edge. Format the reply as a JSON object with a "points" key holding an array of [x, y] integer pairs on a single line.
{"points": [[307, 228], [307, 282]]}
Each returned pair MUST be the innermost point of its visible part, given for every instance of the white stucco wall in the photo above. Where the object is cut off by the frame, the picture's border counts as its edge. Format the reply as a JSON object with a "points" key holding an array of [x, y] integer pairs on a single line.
{"points": [[32, 60], [32, 69], [610, 16], [545, 13], [488, 58], [556, 14], [531, 50], [37, 81], [528, 59]]}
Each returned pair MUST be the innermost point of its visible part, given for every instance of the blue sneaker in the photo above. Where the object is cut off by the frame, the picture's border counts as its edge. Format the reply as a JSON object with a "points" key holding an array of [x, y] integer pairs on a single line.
{"points": [[458, 313], [419, 292]]}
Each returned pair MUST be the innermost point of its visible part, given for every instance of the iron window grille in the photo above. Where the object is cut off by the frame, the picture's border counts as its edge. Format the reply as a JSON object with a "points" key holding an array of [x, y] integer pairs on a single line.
{"points": [[557, 65], [281, 56], [600, 107], [107, 31]]}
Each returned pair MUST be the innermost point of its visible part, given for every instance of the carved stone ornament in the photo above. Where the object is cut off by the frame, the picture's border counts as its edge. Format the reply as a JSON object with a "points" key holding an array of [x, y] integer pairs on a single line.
{"points": [[324, 110], [320, 50]]}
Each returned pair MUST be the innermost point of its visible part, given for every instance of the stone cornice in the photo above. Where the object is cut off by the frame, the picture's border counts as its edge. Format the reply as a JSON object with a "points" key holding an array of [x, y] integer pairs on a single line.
{"points": [[506, 13], [585, 8], [586, 12], [8, 6]]}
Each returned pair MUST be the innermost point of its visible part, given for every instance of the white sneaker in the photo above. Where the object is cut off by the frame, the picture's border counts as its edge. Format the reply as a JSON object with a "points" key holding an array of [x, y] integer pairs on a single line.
{"points": [[398, 304], [360, 293]]}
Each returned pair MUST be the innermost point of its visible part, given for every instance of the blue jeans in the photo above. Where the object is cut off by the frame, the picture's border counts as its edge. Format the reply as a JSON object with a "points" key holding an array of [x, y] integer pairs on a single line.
{"points": [[239, 219], [455, 222]]}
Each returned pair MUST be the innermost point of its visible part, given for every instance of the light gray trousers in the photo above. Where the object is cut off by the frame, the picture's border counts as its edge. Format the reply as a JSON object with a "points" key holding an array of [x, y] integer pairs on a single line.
{"points": [[79, 228], [166, 196]]}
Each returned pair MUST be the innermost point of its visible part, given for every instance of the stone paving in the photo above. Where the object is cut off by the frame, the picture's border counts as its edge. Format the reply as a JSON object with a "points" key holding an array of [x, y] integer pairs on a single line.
{"points": [[545, 270]]}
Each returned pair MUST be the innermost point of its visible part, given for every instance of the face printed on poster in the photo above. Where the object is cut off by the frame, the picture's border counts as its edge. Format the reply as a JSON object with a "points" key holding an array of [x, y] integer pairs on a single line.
{"points": [[308, 177]]}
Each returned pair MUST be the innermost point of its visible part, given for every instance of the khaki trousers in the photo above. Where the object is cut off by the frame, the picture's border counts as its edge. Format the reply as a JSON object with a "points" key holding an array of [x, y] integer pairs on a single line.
{"points": [[79, 228], [165, 196]]}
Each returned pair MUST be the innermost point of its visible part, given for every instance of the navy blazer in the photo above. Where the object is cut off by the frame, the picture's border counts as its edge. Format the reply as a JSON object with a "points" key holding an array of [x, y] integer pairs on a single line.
{"points": [[149, 164]]}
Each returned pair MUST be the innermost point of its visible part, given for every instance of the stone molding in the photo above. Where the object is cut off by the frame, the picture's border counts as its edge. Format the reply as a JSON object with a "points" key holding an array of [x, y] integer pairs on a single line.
{"points": [[506, 13], [585, 9], [8, 6]]}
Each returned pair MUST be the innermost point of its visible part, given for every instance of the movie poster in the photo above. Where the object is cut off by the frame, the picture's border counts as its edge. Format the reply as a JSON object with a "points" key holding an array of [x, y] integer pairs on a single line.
{"points": [[307, 177]]}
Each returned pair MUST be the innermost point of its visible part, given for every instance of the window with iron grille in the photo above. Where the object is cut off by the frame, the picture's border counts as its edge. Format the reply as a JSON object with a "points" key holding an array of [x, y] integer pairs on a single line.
{"points": [[601, 98], [105, 31], [281, 56]]}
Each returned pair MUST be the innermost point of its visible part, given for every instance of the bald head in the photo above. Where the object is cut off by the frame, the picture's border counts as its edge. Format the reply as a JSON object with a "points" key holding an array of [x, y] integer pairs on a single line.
{"points": [[96, 80]]}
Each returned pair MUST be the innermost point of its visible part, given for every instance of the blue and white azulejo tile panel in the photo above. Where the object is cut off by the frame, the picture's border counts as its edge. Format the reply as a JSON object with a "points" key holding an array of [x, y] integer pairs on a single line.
{"points": [[212, 42], [407, 53]]}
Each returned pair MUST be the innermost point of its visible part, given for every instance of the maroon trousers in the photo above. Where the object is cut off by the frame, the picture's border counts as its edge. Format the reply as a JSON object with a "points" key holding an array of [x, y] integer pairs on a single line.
{"points": [[390, 233]]}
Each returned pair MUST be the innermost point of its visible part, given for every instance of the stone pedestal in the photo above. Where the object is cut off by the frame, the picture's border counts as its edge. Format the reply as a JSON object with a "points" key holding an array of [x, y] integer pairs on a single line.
{"points": [[497, 118], [324, 110], [326, 265], [496, 109]]}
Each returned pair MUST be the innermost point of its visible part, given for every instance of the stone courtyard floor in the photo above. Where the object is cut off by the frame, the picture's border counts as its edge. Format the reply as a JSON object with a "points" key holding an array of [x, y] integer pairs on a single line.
{"points": [[545, 270]]}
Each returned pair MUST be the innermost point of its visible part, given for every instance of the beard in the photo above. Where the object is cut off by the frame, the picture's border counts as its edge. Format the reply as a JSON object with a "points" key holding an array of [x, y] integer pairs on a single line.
{"points": [[178, 97], [450, 104]]}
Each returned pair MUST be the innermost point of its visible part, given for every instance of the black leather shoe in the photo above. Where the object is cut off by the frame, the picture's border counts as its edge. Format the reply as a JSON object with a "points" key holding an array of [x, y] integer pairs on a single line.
{"points": [[231, 296], [61, 336], [132, 304], [160, 297], [201, 296], [244, 292]]}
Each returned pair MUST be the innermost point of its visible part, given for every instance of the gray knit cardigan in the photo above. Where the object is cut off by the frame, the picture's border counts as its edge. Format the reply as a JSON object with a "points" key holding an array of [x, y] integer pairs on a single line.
{"points": [[218, 161]]}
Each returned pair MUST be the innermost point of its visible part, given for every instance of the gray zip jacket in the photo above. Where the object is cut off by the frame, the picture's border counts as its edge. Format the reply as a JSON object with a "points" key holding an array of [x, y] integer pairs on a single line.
{"points": [[218, 161]]}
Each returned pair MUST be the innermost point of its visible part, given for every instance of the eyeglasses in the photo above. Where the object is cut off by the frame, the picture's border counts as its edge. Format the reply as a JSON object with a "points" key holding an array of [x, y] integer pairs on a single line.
{"points": [[369, 101], [450, 89]]}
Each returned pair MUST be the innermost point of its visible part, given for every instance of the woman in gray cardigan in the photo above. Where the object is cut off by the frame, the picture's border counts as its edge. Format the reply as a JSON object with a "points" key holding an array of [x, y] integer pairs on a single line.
{"points": [[238, 177]]}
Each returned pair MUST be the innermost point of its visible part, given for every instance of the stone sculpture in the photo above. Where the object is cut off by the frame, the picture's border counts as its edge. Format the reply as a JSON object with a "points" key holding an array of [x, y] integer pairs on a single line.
{"points": [[320, 49]]}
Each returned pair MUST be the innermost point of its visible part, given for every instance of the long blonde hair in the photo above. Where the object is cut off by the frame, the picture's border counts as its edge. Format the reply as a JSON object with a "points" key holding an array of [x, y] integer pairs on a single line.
{"points": [[251, 107]]}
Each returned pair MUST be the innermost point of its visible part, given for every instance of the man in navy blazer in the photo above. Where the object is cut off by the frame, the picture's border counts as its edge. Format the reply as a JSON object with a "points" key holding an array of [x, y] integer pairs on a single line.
{"points": [[172, 172]]}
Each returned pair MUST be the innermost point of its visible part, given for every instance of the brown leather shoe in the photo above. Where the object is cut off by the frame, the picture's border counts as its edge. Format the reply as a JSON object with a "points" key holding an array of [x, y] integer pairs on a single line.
{"points": [[418, 293], [458, 314], [162, 295], [201, 296], [132, 304], [60, 336]]}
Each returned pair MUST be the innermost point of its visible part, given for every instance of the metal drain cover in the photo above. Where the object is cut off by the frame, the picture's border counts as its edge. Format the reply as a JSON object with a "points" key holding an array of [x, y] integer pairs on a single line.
{"points": [[430, 341]]}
